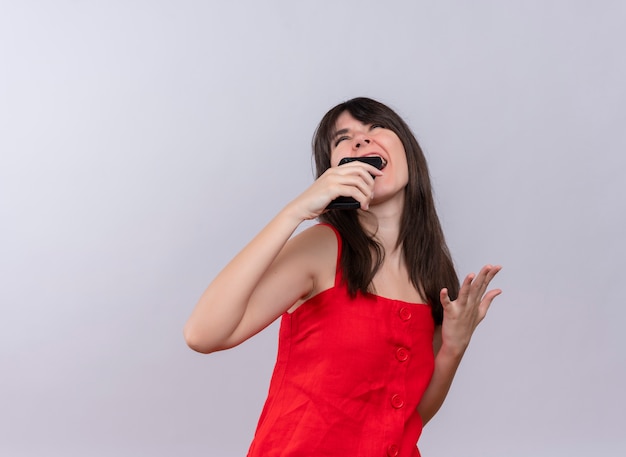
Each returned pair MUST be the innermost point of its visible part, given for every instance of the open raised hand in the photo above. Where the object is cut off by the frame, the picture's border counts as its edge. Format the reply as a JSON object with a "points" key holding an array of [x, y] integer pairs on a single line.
{"points": [[462, 316]]}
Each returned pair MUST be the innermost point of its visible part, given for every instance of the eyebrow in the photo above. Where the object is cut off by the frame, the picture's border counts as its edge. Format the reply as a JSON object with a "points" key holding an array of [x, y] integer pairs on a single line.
{"points": [[339, 132]]}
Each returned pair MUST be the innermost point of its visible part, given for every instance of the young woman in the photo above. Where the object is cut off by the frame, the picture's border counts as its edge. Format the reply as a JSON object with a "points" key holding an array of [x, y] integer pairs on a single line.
{"points": [[374, 322]]}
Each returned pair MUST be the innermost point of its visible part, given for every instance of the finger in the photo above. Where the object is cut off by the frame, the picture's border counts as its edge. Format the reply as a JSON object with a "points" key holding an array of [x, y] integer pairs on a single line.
{"points": [[465, 290], [444, 298], [493, 271], [368, 172], [373, 171], [343, 184], [356, 177], [483, 279], [356, 182], [359, 177], [362, 195], [486, 302], [480, 284]]}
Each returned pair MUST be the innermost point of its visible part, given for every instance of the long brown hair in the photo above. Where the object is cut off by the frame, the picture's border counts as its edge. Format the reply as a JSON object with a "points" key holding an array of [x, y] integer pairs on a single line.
{"points": [[423, 244]]}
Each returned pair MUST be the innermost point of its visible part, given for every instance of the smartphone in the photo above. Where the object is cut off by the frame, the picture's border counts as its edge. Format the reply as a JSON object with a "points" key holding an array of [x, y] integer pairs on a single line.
{"points": [[349, 202]]}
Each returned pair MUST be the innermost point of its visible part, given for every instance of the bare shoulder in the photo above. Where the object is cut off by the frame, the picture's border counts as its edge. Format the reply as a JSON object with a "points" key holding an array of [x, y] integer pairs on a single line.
{"points": [[304, 264], [317, 246], [317, 238]]}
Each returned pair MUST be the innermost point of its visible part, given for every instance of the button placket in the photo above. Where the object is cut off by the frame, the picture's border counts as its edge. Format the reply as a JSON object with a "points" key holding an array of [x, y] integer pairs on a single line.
{"points": [[402, 354], [399, 356], [393, 451], [397, 401]]}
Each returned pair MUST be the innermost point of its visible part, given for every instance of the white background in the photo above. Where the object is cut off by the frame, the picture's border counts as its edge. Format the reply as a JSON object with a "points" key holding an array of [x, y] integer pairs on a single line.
{"points": [[143, 143]]}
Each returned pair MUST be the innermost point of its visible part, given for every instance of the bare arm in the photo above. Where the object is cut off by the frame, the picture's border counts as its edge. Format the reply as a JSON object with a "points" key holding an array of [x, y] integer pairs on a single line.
{"points": [[461, 317], [272, 272], [214, 322]]}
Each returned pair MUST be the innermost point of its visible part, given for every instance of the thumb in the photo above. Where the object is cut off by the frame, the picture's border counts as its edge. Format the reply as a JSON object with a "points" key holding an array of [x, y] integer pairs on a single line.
{"points": [[444, 297]]}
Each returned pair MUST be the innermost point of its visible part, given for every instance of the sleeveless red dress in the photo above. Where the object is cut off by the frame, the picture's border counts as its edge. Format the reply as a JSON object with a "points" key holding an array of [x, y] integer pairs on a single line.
{"points": [[348, 377]]}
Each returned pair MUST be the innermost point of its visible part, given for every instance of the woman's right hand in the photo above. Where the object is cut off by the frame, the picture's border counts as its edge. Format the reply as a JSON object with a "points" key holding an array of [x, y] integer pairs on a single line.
{"points": [[353, 179], [249, 293]]}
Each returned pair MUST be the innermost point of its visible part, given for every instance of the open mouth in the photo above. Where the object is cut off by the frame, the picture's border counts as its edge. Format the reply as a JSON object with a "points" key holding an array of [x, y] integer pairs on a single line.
{"points": [[383, 162], [374, 160]]}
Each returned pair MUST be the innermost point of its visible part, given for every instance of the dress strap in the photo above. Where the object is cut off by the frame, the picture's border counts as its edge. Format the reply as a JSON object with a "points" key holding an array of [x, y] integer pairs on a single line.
{"points": [[338, 276]]}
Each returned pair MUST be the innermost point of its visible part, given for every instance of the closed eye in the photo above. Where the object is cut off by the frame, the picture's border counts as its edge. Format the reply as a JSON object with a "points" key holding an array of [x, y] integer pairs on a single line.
{"points": [[340, 139]]}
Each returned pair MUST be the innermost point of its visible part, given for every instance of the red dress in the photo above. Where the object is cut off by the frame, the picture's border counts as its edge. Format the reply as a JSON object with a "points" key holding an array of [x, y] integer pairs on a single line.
{"points": [[348, 377]]}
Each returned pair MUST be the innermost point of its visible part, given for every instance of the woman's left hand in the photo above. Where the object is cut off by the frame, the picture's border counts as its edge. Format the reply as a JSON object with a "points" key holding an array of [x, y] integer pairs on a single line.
{"points": [[462, 316]]}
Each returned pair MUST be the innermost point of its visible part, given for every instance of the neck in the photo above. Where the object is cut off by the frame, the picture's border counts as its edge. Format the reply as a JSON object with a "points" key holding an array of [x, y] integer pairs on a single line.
{"points": [[384, 221]]}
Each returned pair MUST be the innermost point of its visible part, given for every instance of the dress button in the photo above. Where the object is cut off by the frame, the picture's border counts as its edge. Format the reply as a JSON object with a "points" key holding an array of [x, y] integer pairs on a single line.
{"points": [[393, 451], [397, 401], [405, 314], [402, 354]]}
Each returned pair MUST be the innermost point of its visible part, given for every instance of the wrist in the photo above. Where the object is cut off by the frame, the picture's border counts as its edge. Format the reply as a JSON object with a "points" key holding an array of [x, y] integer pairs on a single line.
{"points": [[298, 212], [452, 351], [291, 214]]}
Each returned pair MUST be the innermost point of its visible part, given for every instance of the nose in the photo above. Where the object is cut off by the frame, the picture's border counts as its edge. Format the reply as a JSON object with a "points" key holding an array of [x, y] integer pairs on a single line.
{"points": [[362, 141]]}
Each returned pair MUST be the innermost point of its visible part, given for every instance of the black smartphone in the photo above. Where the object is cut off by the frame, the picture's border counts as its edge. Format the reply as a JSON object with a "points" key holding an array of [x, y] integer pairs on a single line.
{"points": [[349, 202]]}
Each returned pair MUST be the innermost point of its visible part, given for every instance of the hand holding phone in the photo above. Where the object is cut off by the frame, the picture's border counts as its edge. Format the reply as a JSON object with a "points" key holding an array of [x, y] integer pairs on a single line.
{"points": [[349, 202]]}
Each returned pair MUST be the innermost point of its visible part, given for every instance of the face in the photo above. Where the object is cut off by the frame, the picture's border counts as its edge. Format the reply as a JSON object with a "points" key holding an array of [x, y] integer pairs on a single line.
{"points": [[355, 139]]}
